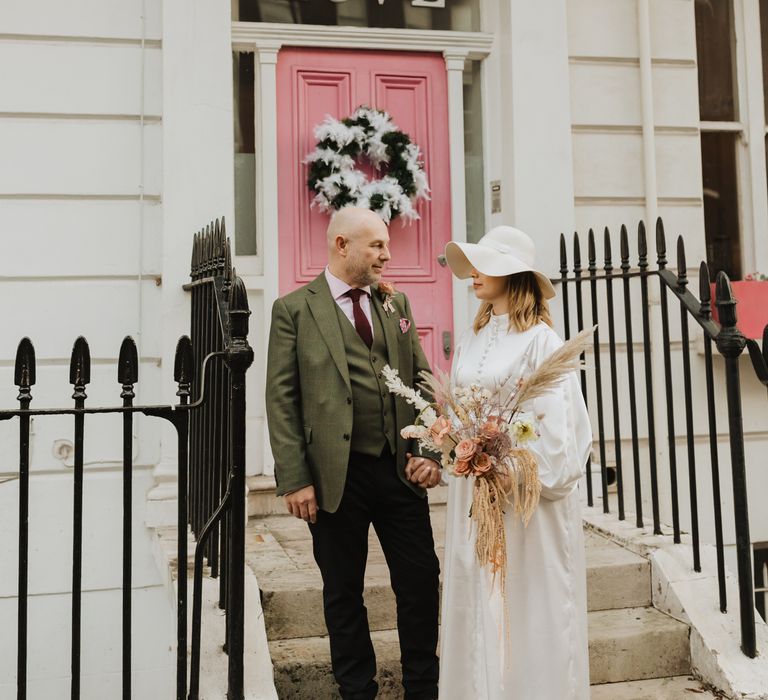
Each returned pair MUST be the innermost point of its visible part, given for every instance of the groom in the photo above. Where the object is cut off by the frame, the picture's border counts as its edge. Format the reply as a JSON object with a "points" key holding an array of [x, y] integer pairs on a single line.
{"points": [[340, 461]]}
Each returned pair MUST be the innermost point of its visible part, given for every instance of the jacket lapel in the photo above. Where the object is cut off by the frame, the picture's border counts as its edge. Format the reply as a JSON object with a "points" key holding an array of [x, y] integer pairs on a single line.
{"points": [[323, 308], [390, 337]]}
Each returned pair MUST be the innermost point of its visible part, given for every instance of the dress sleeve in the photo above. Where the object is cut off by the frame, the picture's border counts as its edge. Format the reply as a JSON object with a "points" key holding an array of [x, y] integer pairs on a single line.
{"points": [[565, 431]]}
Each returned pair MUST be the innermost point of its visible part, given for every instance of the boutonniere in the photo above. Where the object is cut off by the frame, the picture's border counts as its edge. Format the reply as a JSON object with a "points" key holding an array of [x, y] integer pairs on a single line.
{"points": [[388, 290], [405, 324]]}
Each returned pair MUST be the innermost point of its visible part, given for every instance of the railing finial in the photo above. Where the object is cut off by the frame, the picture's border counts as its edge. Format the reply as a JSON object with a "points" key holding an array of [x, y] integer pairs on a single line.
{"points": [[682, 267], [607, 253], [591, 252], [238, 309], [563, 256], [705, 293], [642, 246], [576, 252], [25, 369], [183, 366], [208, 247], [661, 244], [227, 268], [128, 367], [624, 245], [725, 302], [80, 367]]}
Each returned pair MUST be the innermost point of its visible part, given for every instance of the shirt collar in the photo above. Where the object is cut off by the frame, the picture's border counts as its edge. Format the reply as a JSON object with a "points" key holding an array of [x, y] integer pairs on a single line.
{"points": [[339, 287]]}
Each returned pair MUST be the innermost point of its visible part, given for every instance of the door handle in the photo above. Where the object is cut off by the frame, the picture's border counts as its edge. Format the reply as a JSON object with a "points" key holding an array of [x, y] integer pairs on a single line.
{"points": [[447, 344], [441, 259]]}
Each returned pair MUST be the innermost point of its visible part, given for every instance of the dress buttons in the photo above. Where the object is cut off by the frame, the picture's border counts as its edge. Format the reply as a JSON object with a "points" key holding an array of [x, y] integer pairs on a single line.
{"points": [[374, 358], [349, 400], [346, 436]]}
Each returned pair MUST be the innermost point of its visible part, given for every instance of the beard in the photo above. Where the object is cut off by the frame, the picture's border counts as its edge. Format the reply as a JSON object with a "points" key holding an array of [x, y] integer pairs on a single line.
{"points": [[360, 271]]}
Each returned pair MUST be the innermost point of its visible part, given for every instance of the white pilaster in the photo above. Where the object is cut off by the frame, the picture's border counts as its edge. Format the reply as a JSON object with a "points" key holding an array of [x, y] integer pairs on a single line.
{"points": [[198, 166], [267, 205], [454, 65], [535, 123]]}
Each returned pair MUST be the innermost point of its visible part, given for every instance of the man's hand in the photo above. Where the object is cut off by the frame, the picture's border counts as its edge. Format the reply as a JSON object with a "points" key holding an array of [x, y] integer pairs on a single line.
{"points": [[302, 504], [422, 471]]}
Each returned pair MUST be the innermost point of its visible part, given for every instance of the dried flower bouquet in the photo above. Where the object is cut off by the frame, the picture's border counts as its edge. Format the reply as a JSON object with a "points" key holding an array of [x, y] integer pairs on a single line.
{"points": [[482, 433]]}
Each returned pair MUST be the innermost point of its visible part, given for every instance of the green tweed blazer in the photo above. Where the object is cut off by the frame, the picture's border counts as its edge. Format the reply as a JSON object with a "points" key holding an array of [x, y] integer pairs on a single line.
{"points": [[308, 392]]}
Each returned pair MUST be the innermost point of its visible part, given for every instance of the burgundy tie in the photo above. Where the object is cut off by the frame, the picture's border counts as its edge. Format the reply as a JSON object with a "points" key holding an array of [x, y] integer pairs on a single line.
{"points": [[362, 326]]}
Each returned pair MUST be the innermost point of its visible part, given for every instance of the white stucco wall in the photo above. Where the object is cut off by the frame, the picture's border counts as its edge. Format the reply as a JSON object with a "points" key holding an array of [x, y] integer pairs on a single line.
{"points": [[80, 201]]}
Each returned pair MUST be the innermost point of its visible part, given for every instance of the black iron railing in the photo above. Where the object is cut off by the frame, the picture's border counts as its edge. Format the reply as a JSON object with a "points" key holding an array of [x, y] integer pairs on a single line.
{"points": [[217, 462], [210, 369], [677, 407]]}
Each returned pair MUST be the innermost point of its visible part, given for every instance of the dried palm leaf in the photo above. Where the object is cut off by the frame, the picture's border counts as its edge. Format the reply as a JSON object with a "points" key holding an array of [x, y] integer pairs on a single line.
{"points": [[553, 369]]}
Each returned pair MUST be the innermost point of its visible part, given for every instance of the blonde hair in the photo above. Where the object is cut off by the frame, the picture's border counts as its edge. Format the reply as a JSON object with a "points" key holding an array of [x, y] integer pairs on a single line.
{"points": [[527, 305]]}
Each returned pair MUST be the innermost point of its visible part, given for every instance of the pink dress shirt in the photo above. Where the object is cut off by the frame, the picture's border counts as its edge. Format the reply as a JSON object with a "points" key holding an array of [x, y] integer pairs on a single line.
{"points": [[339, 288]]}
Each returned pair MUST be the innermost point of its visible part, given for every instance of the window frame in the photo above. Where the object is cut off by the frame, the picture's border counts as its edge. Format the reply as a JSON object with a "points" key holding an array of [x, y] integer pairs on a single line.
{"points": [[751, 132]]}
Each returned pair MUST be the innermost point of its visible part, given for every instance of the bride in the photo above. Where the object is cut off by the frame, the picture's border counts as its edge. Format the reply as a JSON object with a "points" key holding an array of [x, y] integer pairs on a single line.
{"points": [[542, 654]]}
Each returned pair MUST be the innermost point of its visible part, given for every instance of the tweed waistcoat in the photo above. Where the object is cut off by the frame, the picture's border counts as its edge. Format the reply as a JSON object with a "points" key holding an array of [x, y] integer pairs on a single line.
{"points": [[373, 407]]}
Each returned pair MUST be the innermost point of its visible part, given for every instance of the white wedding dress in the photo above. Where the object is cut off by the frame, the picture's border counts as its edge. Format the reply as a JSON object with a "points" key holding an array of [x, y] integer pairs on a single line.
{"points": [[547, 657]]}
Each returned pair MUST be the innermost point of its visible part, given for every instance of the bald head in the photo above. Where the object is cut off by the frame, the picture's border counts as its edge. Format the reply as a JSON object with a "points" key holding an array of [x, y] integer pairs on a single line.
{"points": [[358, 246], [350, 222]]}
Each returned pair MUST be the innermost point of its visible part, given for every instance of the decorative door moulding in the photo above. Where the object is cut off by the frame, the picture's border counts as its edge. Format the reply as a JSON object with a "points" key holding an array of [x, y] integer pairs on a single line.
{"points": [[247, 35]]}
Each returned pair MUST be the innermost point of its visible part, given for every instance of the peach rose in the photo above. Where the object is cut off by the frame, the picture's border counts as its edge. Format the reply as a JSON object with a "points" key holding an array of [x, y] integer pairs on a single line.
{"points": [[490, 429], [482, 462], [462, 468], [465, 449], [440, 428]]}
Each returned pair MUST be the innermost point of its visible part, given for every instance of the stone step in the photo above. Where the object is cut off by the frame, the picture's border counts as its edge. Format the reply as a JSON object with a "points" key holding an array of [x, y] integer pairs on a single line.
{"points": [[624, 645], [279, 551], [636, 644], [676, 688]]}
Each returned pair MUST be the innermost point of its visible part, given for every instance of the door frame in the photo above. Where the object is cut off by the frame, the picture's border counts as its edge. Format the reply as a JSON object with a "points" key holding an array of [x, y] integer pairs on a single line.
{"points": [[265, 41]]}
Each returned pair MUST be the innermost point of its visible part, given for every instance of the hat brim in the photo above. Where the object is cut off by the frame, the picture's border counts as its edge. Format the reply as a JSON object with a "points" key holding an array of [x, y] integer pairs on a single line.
{"points": [[462, 258]]}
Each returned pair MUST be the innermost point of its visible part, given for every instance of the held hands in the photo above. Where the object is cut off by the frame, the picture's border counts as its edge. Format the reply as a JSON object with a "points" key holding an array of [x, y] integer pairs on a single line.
{"points": [[302, 504], [422, 471]]}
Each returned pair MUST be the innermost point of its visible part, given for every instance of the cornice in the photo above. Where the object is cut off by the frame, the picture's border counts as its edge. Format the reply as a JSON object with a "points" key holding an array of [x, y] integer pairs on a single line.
{"points": [[265, 36]]}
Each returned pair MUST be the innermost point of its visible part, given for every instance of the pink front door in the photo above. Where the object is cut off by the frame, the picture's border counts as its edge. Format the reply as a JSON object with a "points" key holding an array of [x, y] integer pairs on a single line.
{"points": [[314, 83]]}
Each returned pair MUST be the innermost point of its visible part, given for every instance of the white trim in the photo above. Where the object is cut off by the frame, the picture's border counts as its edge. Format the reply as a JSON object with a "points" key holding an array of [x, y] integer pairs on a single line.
{"points": [[755, 255], [721, 126], [260, 271], [267, 204], [265, 41], [455, 61], [246, 35], [745, 187]]}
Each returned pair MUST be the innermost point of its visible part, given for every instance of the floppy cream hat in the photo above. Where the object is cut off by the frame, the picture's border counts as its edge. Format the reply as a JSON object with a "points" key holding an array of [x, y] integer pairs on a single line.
{"points": [[502, 251]]}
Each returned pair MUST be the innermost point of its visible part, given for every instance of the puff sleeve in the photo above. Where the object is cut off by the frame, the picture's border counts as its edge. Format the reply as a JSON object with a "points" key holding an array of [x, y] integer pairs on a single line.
{"points": [[565, 432]]}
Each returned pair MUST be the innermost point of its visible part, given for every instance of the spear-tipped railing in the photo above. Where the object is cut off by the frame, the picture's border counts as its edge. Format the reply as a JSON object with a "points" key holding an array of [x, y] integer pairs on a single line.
{"points": [[679, 408], [209, 369]]}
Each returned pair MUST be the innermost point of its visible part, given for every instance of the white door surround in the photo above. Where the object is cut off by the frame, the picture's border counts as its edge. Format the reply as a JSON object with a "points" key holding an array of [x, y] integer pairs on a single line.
{"points": [[265, 41]]}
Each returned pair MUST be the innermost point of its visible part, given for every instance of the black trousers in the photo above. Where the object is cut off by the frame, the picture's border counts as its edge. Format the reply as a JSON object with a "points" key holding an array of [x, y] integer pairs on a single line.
{"points": [[374, 494]]}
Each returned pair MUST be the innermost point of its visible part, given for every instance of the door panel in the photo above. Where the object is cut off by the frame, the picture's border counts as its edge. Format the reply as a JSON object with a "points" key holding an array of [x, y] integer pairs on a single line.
{"points": [[313, 83]]}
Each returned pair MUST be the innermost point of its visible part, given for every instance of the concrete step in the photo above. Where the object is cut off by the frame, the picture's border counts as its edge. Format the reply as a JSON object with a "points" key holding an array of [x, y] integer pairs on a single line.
{"points": [[624, 645], [676, 688], [635, 644], [279, 551]]}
